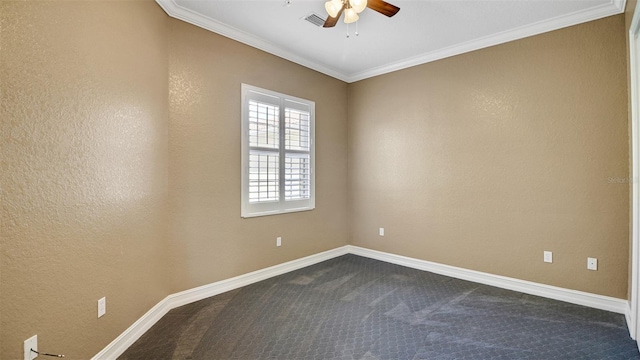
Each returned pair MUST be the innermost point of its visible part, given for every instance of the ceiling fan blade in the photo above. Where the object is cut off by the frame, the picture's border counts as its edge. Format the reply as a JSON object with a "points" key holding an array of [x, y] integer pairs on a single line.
{"points": [[383, 7], [331, 22]]}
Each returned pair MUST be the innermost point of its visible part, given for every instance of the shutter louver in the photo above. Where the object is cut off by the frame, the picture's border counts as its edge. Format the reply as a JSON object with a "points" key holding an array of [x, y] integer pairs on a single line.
{"points": [[264, 125], [297, 177], [297, 165], [264, 180], [264, 165], [296, 130]]}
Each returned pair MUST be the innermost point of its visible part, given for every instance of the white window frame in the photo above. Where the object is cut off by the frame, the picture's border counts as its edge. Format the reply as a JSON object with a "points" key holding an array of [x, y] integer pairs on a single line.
{"points": [[283, 101]]}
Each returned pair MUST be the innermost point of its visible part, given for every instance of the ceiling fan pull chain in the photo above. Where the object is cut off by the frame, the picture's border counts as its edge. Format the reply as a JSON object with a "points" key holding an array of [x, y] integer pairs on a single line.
{"points": [[347, 30], [357, 28]]}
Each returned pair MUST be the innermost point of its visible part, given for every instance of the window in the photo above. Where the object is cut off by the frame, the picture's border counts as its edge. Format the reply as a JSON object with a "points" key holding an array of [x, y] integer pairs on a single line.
{"points": [[277, 153]]}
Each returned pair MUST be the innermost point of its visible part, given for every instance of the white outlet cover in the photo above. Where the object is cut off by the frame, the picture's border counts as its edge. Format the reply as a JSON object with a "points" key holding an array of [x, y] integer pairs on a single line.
{"points": [[548, 257], [102, 307], [279, 241], [381, 231], [592, 264], [31, 343]]}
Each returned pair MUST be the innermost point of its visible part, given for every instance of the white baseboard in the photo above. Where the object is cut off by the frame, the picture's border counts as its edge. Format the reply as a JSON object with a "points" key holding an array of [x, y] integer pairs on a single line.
{"points": [[135, 331], [552, 292], [627, 318], [205, 291], [118, 346]]}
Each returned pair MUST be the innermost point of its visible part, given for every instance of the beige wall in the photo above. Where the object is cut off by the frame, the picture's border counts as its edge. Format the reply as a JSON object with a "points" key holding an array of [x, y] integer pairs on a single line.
{"points": [[628, 13], [87, 162], [485, 160], [628, 16], [120, 164], [210, 241], [83, 171]]}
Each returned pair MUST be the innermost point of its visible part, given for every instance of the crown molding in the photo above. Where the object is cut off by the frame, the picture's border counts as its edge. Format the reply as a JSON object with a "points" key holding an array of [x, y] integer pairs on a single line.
{"points": [[174, 10], [613, 8]]}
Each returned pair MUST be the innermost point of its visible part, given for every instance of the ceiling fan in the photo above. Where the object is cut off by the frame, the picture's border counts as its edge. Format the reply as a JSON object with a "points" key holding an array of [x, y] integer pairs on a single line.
{"points": [[352, 8]]}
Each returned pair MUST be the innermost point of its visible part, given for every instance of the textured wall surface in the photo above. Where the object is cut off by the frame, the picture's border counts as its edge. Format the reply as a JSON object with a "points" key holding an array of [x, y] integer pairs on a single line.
{"points": [[486, 159], [628, 12], [210, 241], [120, 164], [628, 16], [83, 171]]}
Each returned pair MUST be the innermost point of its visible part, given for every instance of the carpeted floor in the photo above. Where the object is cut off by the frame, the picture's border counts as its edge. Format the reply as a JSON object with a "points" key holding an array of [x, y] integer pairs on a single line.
{"points": [[357, 308]]}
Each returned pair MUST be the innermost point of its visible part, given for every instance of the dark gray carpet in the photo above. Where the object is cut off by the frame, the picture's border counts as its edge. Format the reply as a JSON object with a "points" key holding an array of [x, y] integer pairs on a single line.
{"points": [[357, 308]]}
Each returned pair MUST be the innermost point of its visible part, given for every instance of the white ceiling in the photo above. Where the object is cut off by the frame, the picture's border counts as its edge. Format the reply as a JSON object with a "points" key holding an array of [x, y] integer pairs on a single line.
{"points": [[422, 31]]}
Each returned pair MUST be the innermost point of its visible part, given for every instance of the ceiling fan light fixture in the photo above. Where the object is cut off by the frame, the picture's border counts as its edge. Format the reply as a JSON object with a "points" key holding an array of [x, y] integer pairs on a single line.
{"points": [[351, 9], [350, 16], [358, 5], [333, 7]]}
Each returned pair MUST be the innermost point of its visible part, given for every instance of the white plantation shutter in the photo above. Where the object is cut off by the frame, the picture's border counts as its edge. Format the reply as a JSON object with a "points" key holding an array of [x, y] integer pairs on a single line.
{"points": [[297, 177], [277, 153], [297, 164], [264, 182], [264, 155]]}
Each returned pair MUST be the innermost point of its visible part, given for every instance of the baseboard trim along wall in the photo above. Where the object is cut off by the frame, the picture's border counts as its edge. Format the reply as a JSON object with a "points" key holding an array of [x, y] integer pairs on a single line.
{"points": [[552, 292], [627, 318], [135, 331], [118, 346]]}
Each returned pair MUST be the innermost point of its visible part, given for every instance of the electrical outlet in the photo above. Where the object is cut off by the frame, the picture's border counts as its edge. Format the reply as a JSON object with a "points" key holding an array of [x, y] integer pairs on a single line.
{"points": [[592, 263], [278, 241], [31, 343], [548, 257], [381, 231], [102, 307]]}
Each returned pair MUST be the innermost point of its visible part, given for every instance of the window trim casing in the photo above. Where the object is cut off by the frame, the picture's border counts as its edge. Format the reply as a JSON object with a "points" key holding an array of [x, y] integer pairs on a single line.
{"points": [[248, 209]]}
